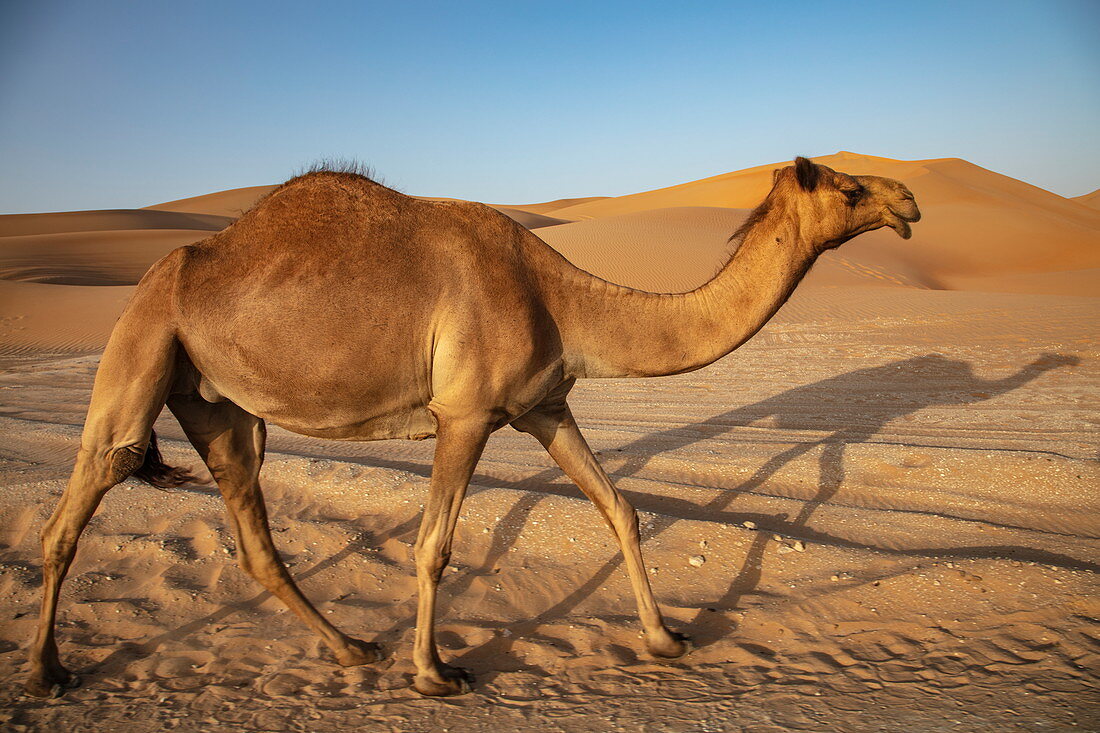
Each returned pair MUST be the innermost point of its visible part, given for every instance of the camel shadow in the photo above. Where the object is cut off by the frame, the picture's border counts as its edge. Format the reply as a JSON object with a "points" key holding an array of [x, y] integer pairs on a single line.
{"points": [[884, 393], [912, 384]]}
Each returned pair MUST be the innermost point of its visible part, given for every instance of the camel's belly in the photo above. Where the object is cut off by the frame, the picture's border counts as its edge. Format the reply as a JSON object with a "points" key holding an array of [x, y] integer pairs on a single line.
{"points": [[416, 424], [354, 404]]}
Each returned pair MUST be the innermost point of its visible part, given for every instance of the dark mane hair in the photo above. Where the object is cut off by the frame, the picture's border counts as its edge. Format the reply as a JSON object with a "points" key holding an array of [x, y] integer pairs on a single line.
{"points": [[347, 169], [753, 219], [342, 166]]}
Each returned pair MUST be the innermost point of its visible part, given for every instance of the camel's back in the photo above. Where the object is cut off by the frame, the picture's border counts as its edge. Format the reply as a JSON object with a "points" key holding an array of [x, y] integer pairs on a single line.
{"points": [[330, 229], [334, 286]]}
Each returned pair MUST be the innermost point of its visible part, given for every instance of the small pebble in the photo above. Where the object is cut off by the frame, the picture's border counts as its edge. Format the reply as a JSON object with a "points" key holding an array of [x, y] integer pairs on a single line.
{"points": [[750, 525], [784, 549], [799, 546], [696, 560]]}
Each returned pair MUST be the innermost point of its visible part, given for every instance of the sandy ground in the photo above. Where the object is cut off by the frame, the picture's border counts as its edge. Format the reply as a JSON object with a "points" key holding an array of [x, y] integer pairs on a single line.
{"points": [[892, 487]]}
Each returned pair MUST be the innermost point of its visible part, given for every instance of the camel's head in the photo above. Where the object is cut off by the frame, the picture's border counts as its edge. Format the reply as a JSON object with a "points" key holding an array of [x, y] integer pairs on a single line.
{"points": [[833, 207]]}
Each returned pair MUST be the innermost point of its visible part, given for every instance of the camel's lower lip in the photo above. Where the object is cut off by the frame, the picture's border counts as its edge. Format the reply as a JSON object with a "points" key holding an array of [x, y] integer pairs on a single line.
{"points": [[901, 226]]}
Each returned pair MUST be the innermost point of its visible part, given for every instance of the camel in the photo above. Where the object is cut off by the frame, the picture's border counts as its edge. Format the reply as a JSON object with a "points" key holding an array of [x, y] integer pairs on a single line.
{"points": [[342, 309]]}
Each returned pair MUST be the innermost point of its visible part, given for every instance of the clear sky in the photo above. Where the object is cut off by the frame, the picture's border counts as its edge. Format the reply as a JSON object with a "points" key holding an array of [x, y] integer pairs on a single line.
{"points": [[111, 104]]}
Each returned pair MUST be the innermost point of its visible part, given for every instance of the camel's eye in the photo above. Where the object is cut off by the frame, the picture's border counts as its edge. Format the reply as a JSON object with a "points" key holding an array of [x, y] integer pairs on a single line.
{"points": [[853, 195]]}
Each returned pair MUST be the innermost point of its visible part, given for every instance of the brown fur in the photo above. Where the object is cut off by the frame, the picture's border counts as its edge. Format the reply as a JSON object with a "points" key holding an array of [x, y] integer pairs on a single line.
{"points": [[340, 308]]}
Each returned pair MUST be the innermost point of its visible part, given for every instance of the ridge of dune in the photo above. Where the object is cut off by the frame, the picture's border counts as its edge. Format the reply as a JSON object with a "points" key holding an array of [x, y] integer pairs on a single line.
{"points": [[529, 219], [547, 207], [977, 223], [678, 249], [15, 225], [232, 202], [1092, 200]]}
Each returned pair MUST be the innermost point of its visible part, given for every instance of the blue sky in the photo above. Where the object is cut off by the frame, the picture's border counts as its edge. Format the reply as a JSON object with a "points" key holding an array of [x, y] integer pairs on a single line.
{"points": [[118, 104]]}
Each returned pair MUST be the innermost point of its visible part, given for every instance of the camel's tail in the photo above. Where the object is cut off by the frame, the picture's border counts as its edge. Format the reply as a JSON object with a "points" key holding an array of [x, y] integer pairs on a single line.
{"points": [[155, 472]]}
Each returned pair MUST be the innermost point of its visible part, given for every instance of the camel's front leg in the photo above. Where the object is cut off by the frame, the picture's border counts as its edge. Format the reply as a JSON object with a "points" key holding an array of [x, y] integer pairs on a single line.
{"points": [[458, 446], [555, 428]]}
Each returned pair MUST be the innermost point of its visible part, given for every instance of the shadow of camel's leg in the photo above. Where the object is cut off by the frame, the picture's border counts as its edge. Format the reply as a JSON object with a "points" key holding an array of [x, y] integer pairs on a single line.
{"points": [[555, 428], [458, 446], [231, 443]]}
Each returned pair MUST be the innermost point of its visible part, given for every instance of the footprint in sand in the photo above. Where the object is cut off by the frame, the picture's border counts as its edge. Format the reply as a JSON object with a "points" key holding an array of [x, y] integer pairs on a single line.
{"points": [[183, 671], [283, 684], [201, 536]]}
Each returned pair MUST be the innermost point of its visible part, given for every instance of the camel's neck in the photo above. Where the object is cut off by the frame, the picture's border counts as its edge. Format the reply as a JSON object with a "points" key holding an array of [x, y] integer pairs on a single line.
{"points": [[611, 331]]}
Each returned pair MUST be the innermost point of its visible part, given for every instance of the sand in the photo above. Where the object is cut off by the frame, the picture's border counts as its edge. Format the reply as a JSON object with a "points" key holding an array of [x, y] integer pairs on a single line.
{"points": [[892, 488], [1091, 200]]}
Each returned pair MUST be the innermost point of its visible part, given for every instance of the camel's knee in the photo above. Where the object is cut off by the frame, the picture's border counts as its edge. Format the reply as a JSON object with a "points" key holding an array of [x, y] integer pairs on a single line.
{"points": [[431, 561], [260, 569], [625, 518]]}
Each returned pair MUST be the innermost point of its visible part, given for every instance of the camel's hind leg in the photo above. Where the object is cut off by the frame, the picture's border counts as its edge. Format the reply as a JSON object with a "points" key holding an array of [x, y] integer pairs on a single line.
{"points": [[94, 474], [129, 392], [231, 442]]}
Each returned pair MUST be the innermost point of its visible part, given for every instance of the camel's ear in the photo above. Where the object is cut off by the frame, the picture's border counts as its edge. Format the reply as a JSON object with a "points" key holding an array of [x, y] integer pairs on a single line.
{"points": [[775, 175], [806, 173]]}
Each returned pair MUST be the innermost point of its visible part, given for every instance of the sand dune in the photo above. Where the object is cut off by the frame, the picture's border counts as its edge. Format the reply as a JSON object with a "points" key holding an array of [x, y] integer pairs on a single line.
{"points": [[1092, 200], [529, 219], [981, 231], [680, 248], [549, 207], [231, 203], [89, 258], [976, 223], [671, 250], [37, 318], [892, 486], [16, 225]]}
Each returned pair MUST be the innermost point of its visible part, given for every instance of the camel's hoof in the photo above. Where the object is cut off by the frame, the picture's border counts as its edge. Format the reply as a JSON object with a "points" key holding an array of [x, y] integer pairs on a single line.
{"points": [[51, 685], [450, 681], [673, 646], [358, 652]]}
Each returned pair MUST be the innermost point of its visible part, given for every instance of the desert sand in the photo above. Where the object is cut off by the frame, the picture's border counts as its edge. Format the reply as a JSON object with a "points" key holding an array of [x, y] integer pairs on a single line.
{"points": [[892, 488]]}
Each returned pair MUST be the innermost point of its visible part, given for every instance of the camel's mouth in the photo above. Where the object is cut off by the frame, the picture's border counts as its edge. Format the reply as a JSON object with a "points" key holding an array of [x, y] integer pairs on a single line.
{"points": [[898, 217], [901, 226]]}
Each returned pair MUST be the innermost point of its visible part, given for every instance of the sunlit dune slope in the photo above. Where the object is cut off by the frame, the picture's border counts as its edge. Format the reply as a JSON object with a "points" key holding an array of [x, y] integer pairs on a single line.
{"points": [[680, 248], [233, 202], [977, 223], [15, 225], [1091, 200]]}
